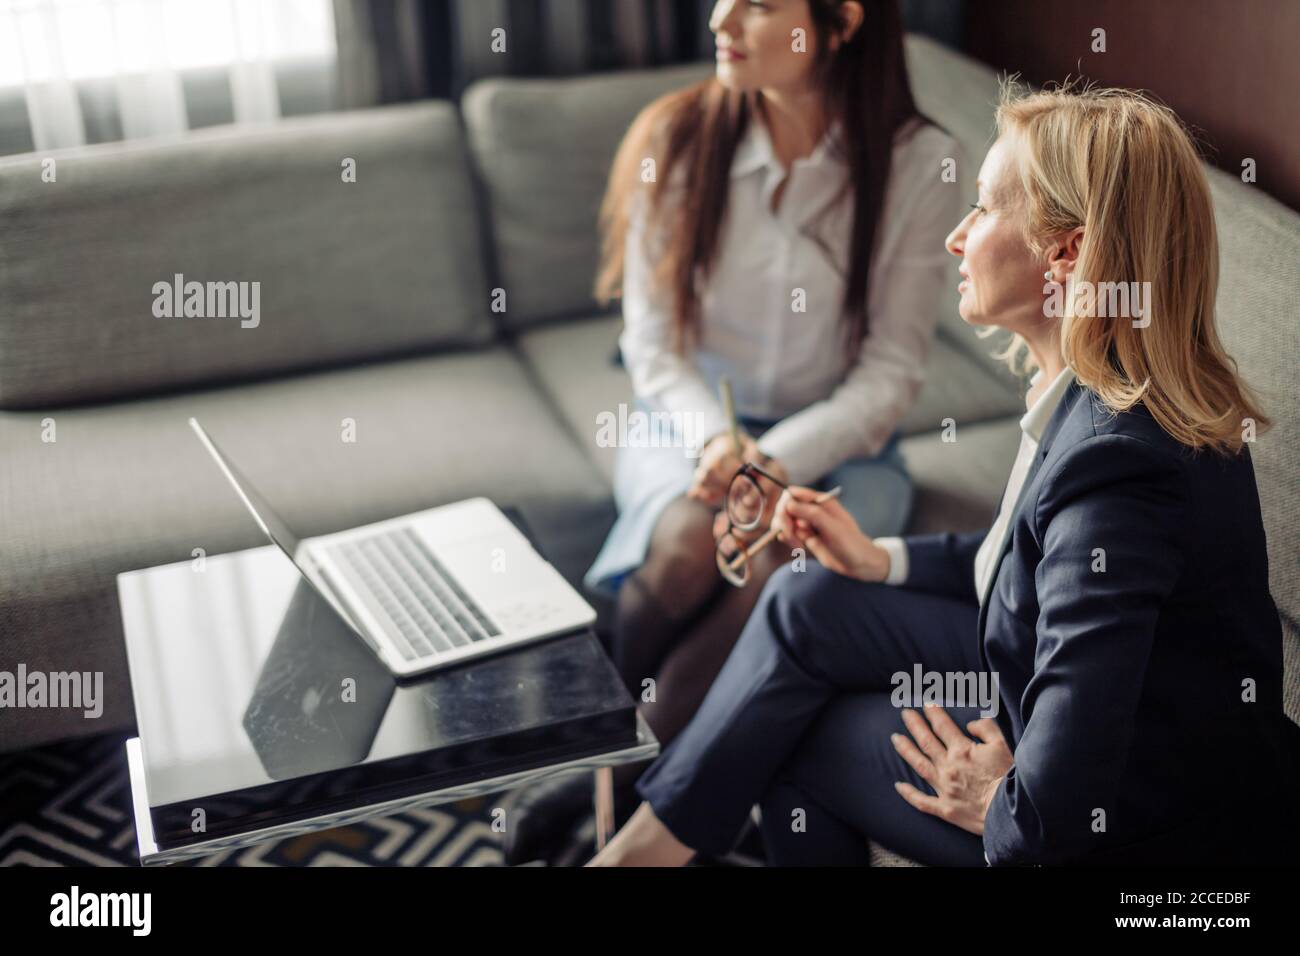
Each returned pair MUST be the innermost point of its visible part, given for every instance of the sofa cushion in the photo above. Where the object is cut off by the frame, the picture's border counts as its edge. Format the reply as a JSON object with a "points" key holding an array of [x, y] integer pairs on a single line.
{"points": [[544, 149], [959, 483], [962, 388], [346, 270], [129, 486], [573, 363]]}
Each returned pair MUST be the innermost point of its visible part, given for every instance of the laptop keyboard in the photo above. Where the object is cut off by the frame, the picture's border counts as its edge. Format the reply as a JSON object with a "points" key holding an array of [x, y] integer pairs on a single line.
{"points": [[412, 589]]}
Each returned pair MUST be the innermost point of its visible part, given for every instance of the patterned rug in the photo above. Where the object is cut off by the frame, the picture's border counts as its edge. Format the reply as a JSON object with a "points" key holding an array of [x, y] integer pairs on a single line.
{"points": [[69, 804]]}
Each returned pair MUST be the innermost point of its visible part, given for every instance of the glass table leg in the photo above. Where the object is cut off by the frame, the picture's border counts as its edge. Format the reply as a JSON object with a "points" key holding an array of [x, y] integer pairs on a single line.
{"points": [[604, 799]]}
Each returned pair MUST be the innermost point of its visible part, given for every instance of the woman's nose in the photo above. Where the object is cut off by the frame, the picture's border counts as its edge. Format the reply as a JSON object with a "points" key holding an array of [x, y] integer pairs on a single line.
{"points": [[720, 19], [956, 241]]}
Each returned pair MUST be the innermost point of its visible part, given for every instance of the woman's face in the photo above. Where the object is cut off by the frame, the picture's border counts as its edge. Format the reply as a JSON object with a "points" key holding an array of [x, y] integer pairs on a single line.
{"points": [[1002, 277], [756, 45]]}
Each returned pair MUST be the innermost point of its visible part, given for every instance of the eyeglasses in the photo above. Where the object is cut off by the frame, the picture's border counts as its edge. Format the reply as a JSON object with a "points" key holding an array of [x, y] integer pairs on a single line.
{"points": [[745, 505]]}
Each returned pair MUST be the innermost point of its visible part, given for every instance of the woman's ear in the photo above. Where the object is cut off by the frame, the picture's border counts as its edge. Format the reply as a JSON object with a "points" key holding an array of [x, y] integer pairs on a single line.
{"points": [[1064, 254], [852, 13]]}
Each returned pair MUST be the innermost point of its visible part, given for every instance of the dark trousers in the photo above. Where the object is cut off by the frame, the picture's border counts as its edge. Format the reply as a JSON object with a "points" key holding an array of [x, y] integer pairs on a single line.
{"points": [[799, 721]]}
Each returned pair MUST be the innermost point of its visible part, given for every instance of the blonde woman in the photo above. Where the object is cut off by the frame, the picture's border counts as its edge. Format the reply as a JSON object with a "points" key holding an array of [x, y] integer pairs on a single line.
{"points": [[1120, 598]]}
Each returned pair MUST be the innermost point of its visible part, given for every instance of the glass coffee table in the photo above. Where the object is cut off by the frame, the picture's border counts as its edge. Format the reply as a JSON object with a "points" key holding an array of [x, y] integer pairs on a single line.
{"points": [[261, 718]]}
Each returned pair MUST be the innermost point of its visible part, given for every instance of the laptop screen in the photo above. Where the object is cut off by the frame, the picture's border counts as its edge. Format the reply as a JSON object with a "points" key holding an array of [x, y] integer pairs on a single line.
{"points": [[270, 523]]}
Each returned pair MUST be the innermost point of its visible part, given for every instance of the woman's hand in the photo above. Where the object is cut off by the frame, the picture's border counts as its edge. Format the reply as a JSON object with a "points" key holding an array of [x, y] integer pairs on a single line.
{"points": [[828, 532], [964, 773], [719, 463]]}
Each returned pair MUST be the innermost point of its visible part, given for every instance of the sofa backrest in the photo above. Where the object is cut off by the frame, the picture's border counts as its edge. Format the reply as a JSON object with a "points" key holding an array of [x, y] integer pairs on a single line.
{"points": [[346, 270], [960, 95], [1258, 316], [543, 149]]}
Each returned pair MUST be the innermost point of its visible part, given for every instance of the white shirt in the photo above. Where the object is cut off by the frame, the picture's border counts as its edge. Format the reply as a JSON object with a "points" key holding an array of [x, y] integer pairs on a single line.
{"points": [[1032, 424], [791, 365]]}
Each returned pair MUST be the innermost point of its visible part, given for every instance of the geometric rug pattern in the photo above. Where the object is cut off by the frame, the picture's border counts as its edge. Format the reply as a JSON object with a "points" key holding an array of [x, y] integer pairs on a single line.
{"points": [[69, 804]]}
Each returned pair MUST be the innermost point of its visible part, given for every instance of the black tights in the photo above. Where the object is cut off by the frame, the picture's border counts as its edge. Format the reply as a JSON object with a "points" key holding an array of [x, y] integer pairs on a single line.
{"points": [[676, 620]]}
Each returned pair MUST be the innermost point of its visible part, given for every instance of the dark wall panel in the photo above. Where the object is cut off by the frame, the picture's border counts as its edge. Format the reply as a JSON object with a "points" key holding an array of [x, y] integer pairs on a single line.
{"points": [[1229, 67]]}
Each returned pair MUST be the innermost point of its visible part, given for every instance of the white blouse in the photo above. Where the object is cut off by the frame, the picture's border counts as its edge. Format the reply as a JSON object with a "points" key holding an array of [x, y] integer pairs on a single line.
{"points": [[771, 310]]}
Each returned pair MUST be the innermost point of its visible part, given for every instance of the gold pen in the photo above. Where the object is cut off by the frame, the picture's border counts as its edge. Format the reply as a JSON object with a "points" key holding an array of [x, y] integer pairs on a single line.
{"points": [[729, 406]]}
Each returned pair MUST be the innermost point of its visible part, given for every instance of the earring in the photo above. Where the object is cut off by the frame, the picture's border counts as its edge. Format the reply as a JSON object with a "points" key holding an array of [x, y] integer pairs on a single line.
{"points": [[1048, 275]]}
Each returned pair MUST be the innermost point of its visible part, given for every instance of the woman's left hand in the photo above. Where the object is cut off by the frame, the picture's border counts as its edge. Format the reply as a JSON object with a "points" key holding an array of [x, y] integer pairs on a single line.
{"points": [[964, 773]]}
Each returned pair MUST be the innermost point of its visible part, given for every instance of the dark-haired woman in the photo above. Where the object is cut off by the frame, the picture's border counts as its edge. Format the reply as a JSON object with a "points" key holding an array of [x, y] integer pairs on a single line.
{"points": [[780, 225], [790, 240]]}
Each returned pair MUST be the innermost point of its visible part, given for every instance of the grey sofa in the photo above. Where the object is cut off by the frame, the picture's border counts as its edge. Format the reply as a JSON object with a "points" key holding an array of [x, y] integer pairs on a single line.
{"points": [[376, 306]]}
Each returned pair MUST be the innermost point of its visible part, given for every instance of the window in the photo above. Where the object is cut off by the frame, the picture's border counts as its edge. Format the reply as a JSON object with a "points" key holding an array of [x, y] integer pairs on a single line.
{"points": [[105, 69]]}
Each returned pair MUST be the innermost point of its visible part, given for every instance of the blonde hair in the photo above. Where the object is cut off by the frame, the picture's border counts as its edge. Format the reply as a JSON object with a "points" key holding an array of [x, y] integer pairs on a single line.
{"points": [[1123, 167]]}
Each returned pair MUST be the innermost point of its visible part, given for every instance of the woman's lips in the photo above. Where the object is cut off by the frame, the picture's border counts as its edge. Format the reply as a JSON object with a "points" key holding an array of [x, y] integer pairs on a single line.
{"points": [[724, 54], [961, 286]]}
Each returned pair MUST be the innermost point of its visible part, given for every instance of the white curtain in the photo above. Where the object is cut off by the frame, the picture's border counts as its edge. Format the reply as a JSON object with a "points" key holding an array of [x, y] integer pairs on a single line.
{"points": [[145, 46], [252, 78]]}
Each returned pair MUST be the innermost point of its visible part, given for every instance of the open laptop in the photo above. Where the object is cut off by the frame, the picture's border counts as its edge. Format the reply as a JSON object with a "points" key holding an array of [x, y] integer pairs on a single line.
{"points": [[427, 589]]}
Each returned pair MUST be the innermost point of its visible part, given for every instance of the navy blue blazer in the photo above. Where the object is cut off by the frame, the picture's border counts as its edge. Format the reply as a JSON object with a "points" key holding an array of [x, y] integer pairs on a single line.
{"points": [[1137, 647]]}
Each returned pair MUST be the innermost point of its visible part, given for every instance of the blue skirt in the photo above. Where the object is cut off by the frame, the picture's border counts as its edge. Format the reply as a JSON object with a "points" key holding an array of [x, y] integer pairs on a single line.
{"points": [[877, 492]]}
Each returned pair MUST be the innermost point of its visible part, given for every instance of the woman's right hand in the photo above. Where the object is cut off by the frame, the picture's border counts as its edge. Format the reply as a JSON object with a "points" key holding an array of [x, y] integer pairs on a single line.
{"points": [[718, 464], [828, 532]]}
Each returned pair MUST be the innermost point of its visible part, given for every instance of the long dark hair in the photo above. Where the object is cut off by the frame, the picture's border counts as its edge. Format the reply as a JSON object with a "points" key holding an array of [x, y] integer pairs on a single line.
{"points": [[698, 128]]}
